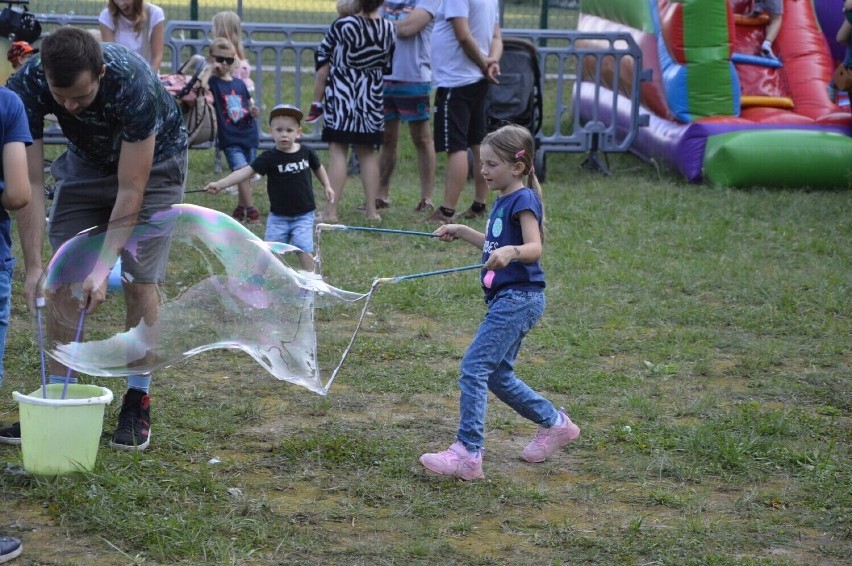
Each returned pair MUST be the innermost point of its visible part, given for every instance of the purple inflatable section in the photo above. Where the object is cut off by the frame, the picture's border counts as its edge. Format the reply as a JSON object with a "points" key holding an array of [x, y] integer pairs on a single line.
{"points": [[670, 143]]}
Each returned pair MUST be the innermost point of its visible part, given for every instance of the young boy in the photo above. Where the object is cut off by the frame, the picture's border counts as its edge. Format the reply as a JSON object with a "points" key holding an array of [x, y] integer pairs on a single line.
{"points": [[291, 194], [235, 115], [19, 53], [776, 14]]}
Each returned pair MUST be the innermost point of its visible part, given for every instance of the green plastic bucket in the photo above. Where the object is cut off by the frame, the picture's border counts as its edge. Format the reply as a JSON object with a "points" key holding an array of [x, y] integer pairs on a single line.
{"points": [[60, 436]]}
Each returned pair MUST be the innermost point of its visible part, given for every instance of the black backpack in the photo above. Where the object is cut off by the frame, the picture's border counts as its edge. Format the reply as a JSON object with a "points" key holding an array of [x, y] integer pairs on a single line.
{"points": [[19, 25], [517, 98]]}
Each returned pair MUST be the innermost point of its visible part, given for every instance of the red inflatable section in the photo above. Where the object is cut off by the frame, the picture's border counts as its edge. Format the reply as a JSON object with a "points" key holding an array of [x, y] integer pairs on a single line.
{"points": [[671, 26]]}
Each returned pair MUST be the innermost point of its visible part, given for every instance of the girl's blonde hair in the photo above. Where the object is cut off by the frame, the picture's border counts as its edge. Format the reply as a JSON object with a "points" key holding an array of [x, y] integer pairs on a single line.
{"points": [[228, 25], [515, 144], [140, 14]]}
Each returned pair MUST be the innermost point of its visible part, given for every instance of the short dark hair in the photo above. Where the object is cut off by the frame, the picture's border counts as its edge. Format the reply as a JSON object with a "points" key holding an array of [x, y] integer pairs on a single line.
{"points": [[68, 52]]}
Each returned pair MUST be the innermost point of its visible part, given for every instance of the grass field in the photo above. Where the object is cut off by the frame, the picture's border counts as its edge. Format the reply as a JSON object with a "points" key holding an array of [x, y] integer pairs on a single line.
{"points": [[698, 336]]}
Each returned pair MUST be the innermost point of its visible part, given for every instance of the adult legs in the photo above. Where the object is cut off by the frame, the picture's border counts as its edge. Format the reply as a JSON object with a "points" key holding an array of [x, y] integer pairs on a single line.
{"points": [[338, 153], [369, 178], [421, 135], [387, 157]]}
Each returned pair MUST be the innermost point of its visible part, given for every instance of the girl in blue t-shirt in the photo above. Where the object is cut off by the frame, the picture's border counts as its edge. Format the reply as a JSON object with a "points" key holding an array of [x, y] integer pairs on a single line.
{"points": [[514, 292]]}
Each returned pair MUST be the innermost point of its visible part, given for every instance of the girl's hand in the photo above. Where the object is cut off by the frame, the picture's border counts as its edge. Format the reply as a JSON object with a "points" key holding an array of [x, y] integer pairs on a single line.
{"points": [[255, 111], [448, 232], [501, 257], [212, 188]]}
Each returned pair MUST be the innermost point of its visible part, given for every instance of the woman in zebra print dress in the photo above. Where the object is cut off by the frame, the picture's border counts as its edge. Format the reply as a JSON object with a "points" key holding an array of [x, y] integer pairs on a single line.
{"points": [[359, 50]]}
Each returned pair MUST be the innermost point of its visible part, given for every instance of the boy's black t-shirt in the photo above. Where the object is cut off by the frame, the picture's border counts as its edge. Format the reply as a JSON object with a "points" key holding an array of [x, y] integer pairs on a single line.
{"points": [[288, 180]]}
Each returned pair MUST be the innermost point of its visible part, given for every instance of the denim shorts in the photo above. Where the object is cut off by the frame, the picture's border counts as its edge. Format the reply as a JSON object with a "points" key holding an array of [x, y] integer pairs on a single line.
{"points": [[239, 156], [294, 230]]}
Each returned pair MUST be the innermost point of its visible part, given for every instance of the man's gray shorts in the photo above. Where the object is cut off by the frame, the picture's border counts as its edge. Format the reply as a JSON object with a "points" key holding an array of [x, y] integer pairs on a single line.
{"points": [[85, 197]]}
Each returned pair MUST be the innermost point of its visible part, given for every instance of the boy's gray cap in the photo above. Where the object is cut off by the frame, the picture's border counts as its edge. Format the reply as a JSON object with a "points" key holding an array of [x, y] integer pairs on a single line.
{"points": [[286, 110]]}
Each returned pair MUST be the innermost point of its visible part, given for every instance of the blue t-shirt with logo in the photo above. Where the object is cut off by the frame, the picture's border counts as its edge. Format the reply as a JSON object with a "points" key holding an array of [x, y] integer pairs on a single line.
{"points": [[504, 229], [13, 128], [236, 125]]}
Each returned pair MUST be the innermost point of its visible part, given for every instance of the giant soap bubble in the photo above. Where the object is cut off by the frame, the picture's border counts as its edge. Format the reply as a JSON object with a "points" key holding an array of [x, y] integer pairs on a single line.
{"points": [[220, 286]]}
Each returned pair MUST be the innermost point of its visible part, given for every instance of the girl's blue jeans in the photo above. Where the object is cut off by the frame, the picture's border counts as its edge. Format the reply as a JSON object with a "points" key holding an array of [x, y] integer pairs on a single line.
{"points": [[489, 364]]}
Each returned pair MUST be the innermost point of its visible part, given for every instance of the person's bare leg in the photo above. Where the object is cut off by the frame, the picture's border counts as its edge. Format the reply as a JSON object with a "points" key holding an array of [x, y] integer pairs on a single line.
{"points": [[387, 158], [455, 178], [143, 305], [244, 195], [306, 261], [338, 154], [773, 28], [369, 161], [421, 135]]}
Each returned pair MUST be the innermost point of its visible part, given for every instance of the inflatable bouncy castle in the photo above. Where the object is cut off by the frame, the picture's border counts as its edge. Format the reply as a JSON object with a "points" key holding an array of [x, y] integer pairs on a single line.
{"points": [[720, 112]]}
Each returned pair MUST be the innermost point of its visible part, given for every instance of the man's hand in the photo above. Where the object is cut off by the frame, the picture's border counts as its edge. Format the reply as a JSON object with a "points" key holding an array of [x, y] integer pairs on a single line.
{"points": [[94, 291]]}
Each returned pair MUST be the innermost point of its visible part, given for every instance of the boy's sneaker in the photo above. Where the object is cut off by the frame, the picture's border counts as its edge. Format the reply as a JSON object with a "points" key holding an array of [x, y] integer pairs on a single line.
{"points": [[9, 548], [549, 440], [134, 422], [456, 462], [239, 214], [11, 434], [252, 215], [766, 51], [314, 113]]}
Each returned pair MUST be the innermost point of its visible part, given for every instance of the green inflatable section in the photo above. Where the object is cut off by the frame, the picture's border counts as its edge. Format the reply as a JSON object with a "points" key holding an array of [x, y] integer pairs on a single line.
{"points": [[779, 158], [633, 13]]}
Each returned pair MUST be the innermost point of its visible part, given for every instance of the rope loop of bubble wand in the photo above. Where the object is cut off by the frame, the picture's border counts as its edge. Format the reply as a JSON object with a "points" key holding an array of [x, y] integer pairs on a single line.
{"points": [[375, 285], [320, 227]]}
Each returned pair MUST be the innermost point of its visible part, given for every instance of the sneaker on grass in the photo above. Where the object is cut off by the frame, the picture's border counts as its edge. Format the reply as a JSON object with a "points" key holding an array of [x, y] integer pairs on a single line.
{"points": [[9, 548], [456, 462], [11, 434], [549, 440], [134, 422]]}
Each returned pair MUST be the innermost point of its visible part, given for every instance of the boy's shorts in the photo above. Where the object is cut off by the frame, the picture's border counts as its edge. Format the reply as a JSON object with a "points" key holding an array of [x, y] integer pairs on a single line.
{"points": [[460, 116], [85, 198], [294, 230], [408, 102], [239, 156]]}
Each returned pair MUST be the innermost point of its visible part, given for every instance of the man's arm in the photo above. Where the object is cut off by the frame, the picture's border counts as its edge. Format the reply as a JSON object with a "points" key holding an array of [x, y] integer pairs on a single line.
{"points": [[134, 167], [30, 220], [494, 54], [412, 23], [461, 29]]}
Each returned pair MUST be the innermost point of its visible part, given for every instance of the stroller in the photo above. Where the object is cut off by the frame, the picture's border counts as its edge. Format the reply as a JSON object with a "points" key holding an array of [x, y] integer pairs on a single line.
{"points": [[517, 98], [195, 101]]}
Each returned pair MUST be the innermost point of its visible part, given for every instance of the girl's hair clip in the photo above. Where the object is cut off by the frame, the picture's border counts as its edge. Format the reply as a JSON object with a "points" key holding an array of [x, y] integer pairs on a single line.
{"points": [[520, 153]]}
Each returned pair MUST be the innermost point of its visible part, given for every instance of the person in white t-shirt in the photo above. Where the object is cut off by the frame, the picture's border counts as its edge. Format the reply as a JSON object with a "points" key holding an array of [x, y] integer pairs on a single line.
{"points": [[466, 49], [137, 25]]}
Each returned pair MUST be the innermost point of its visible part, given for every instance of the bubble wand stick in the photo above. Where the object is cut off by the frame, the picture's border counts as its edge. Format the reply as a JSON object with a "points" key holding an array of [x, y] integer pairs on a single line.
{"points": [[77, 340], [39, 304]]}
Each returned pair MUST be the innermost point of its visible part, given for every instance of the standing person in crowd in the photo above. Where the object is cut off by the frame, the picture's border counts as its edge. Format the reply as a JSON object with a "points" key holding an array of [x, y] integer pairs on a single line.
{"points": [[227, 24], [513, 282], [235, 116], [776, 16], [137, 25], [844, 37], [406, 96], [288, 169], [14, 194], [19, 53], [344, 8], [359, 50], [126, 157], [467, 42]]}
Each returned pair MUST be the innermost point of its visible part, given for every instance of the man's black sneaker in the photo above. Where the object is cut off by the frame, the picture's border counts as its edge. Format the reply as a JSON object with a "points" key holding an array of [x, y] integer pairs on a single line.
{"points": [[11, 434], [134, 422]]}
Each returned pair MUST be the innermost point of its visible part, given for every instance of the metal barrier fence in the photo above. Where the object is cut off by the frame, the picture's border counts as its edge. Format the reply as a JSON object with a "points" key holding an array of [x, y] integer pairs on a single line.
{"points": [[544, 14], [282, 61]]}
